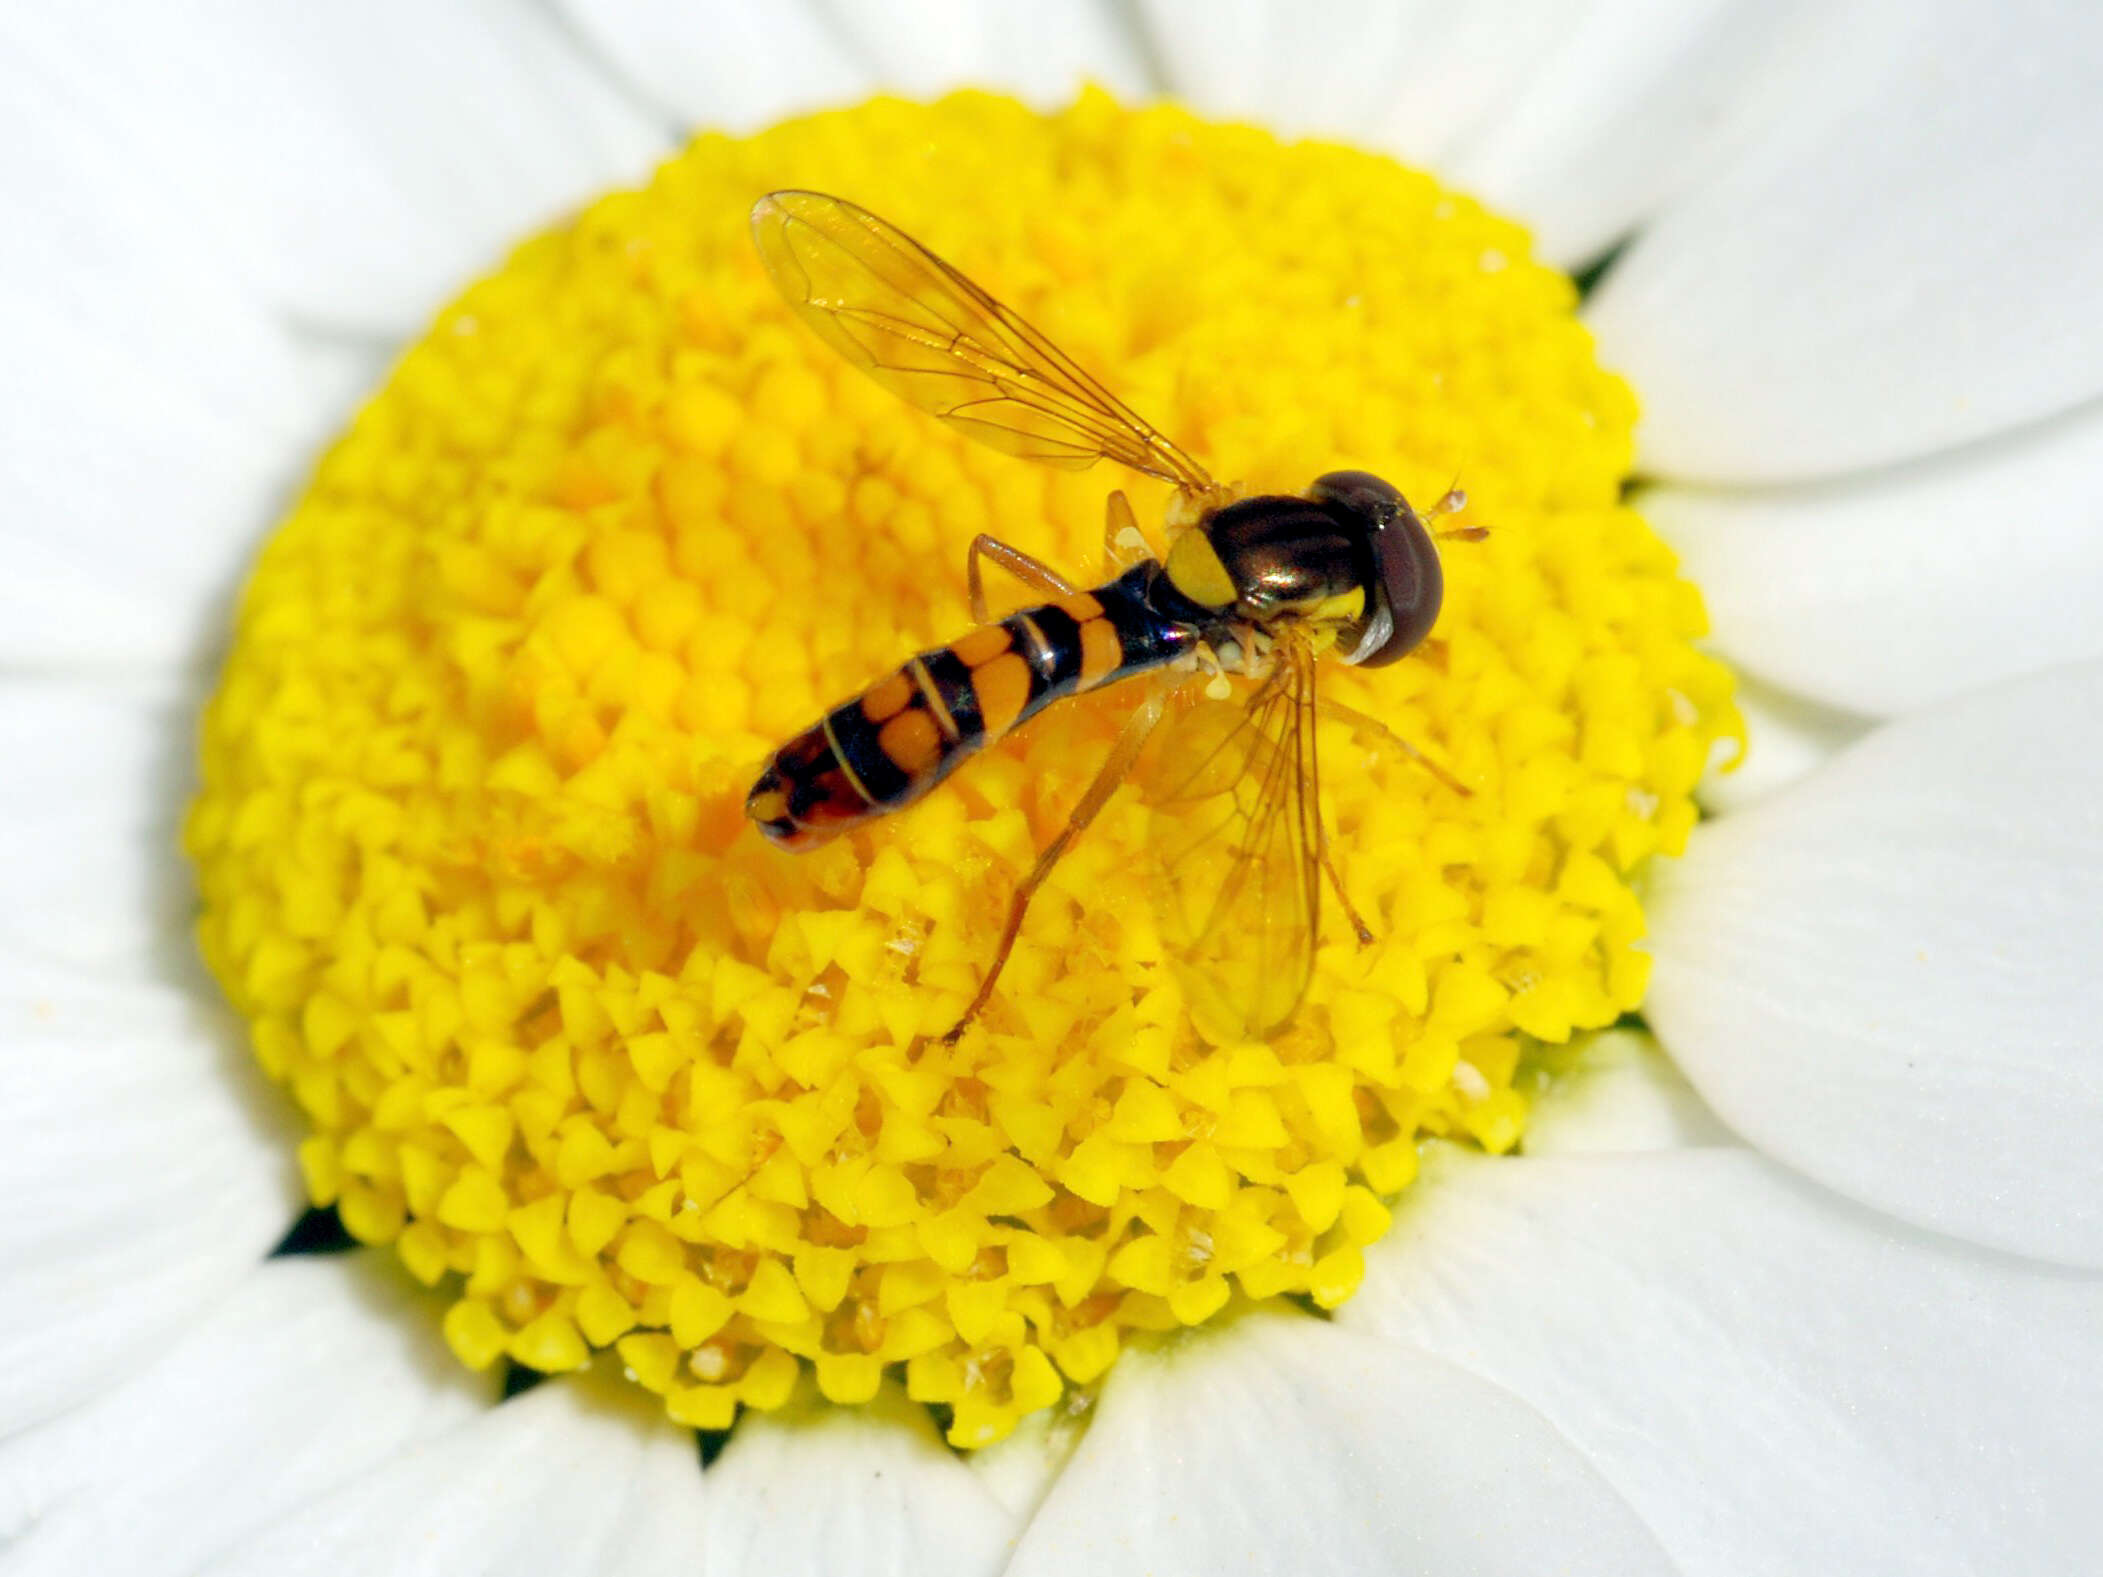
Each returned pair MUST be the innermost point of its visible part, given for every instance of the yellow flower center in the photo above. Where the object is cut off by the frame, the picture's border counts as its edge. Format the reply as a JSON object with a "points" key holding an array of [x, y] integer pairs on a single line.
{"points": [[581, 1045]]}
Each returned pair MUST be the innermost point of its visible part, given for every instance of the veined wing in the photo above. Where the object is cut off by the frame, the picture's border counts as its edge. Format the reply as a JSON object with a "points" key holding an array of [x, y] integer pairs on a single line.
{"points": [[1235, 840], [936, 340]]}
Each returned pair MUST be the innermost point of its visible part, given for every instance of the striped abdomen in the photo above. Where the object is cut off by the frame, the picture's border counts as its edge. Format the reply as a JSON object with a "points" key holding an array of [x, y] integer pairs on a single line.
{"points": [[907, 732]]}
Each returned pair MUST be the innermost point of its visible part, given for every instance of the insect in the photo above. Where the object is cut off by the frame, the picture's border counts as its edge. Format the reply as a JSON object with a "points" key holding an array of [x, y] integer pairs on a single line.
{"points": [[1250, 586]]}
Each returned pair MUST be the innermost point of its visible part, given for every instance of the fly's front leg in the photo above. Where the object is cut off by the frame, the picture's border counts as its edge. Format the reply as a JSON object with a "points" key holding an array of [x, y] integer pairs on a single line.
{"points": [[1359, 928], [1031, 572], [1124, 544], [1130, 741], [1366, 720]]}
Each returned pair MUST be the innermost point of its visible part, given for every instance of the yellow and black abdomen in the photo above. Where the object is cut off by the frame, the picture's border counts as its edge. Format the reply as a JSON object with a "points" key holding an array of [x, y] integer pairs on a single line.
{"points": [[911, 729]]}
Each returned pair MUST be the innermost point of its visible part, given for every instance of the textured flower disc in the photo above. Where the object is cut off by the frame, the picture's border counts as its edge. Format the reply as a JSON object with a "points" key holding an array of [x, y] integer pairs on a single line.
{"points": [[585, 1049]]}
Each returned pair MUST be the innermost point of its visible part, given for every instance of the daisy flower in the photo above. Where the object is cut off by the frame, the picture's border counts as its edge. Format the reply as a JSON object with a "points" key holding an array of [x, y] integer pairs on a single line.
{"points": [[1803, 1269]]}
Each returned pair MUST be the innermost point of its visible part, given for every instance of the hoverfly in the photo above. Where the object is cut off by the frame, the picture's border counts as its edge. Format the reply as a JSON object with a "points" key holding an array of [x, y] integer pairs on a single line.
{"points": [[1256, 587]]}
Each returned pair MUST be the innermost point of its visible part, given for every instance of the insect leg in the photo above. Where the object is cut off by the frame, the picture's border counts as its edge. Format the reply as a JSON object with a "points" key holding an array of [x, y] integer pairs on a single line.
{"points": [[1107, 778], [1031, 572], [1309, 701], [1359, 928], [1358, 719], [1124, 544]]}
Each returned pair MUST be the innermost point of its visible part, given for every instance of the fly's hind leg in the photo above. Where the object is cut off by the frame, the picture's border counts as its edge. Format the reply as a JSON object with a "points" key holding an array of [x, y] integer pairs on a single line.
{"points": [[1308, 699], [1033, 573], [1130, 741], [1359, 928]]}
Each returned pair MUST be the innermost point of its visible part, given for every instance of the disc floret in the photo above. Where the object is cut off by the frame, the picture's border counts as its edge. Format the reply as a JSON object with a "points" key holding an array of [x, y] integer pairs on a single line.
{"points": [[623, 1079]]}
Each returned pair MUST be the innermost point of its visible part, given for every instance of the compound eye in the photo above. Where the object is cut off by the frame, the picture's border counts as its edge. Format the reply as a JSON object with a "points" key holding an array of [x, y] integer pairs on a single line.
{"points": [[1406, 584], [1411, 583], [1360, 492]]}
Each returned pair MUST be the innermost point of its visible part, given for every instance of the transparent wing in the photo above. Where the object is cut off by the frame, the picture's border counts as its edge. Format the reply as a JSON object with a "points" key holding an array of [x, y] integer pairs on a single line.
{"points": [[936, 340], [1233, 830]]}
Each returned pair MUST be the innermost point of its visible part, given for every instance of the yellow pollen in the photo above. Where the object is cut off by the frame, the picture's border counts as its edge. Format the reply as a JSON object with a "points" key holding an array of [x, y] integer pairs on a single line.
{"points": [[624, 1077]]}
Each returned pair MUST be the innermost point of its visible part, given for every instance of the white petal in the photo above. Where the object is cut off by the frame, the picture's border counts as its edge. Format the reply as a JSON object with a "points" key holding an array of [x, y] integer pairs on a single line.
{"points": [[154, 415], [1578, 117], [357, 161], [1284, 1444], [870, 1490], [1907, 262], [563, 1480], [1635, 104], [1912, 585], [1887, 975], [1042, 52], [1409, 79], [136, 1147], [1622, 1094], [309, 1373], [1786, 737], [90, 811], [739, 68], [142, 1180], [1020, 1471], [1761, 1370]]}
